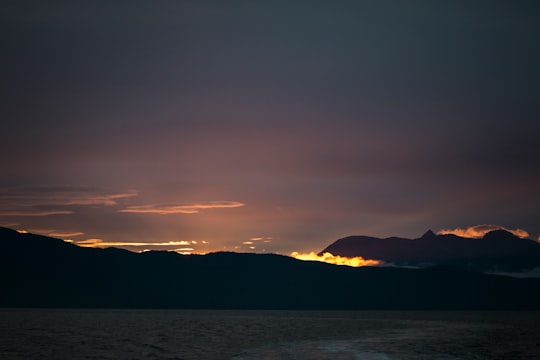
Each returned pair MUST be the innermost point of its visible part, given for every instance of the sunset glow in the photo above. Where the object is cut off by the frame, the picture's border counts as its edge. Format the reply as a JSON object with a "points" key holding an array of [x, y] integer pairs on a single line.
{"points": [[101, 243], [336, 260], [479, 231], [268, 126], [184, 251]]}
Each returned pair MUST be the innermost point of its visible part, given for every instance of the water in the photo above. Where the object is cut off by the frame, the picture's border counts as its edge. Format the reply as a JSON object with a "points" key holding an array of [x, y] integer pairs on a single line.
{"points": [[245, 335]]}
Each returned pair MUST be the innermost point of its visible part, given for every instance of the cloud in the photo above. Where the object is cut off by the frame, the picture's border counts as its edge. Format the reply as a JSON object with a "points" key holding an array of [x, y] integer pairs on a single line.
{"points": [[478, 231], [181, 209], [101, 243], [182, 246], [336, 260], [48, 201], [33, 212], [54, 233], [10, 225], [65, 234], [184, 251], [63, 196], [255, 242], [267, 239]]}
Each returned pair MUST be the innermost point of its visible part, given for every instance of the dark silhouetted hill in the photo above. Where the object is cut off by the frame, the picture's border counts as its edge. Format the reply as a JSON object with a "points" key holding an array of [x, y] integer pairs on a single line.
{"points": [[38, 271], [497, 251]]}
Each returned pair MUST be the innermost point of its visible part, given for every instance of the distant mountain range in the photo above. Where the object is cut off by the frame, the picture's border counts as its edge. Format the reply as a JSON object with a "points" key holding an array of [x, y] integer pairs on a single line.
{"points": [[497, 251], [39, 271]]}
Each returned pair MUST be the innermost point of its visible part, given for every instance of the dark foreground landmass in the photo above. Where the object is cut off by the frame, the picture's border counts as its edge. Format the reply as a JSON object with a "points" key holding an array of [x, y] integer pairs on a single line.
{"points": [[38, 271]]}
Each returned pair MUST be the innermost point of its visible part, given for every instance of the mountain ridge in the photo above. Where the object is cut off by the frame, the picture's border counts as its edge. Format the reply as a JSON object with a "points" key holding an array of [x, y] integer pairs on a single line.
{"points": [[497, 250], [39, 271]]}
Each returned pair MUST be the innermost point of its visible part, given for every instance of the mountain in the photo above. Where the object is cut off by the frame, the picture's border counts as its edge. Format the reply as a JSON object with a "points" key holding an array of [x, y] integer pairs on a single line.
{"points": [[39, 271], [497, 251]]}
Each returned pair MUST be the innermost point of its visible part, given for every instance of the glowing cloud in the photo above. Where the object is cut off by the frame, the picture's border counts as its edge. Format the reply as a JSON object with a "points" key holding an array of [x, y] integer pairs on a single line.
{"points": [[184, 251], [267, 239], [101, 243], [53, 233], [181, 209], [92, 199], [336, 260], [65, 234], [89, 242], [479, 231]]}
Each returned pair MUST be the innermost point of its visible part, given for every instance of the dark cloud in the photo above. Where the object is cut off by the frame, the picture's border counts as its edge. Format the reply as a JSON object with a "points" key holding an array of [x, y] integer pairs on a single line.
{"points": [[47, 201], [323, 119]]}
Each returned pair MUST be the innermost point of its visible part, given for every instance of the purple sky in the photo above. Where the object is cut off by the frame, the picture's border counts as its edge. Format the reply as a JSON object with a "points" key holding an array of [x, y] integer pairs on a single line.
{"points": [[268, 126]]}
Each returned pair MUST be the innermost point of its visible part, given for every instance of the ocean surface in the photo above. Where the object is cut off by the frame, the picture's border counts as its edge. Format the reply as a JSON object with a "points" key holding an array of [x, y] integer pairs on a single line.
{"points": [[241, 334]]}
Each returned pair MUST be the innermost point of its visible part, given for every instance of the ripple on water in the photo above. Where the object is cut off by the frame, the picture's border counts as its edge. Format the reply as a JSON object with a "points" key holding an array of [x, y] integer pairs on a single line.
{"points": [[313, 350]]}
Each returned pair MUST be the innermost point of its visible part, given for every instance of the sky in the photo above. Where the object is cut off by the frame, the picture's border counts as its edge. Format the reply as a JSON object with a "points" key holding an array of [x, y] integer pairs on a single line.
{"points": [[267, 126]]}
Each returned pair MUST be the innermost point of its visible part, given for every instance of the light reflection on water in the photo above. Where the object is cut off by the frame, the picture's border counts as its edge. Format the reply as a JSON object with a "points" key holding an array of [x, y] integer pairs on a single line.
{"points": [[246, 335], [314, 350]]}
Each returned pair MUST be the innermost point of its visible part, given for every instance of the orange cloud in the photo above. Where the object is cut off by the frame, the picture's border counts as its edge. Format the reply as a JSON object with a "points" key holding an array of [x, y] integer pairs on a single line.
{"points": [[479, 231], [101, 243], [184, 249], [92, 199], [88, 242], [181, 247], [65, 234], [180, 209], [336, 260], [264, 239]]}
